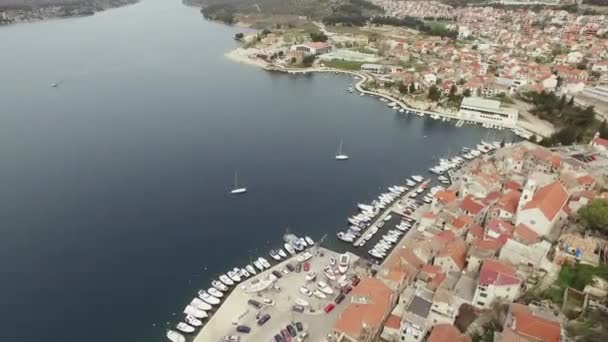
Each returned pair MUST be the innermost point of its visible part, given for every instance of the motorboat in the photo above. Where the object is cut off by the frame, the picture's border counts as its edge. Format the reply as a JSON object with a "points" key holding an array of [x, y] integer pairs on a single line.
{"points": [[329, 273], [289, 249], [282, 253], [218, 285], [301, 302], [274, 255], [340, 155], [184, 327], [319, 294], [193, 321], [343, 264], [237, 190], [227, 281], [234, 276], [244, 273], [251, 269], [200, 305], [174, 336], [322, 286], [303, 242], [311, 276], [309, 241], [214, 292], [264, 262], [346, 237], [304, 257], [305, 291], [417, 178], [192, 311], [258, 265], [294, 241], [207, 298], [332, 261], [410, 183]]}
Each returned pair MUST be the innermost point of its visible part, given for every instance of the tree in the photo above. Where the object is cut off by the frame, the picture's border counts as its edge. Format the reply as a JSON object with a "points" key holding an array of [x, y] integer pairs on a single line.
{"points": [[452, 91], [412, 88], [402, 88], [308, 60], [467, 93], [594, 216], [434, 93], [571, 101], [462, 81], [318, 37], [603, 130]]}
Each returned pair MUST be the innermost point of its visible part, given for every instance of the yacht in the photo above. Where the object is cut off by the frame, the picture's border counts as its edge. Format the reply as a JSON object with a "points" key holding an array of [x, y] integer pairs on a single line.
{"points": [[274, 255], [215, 293], [219, 286], [244, 273], [193, 321], [340, 155], [417, 178], [282, 253], [319, 294], [264, 262], [303, 242], [192, 311], [332, 261], [289, 249], [311, 275], [346, 237], [236, 190], [310, 241], [174, 336], [227, 281], [301, 302], [184, 327], [329, 273], [207, 298], [322, 286], [250, 269], [258, 265], [234, 276], [343, 263], [410, 183]]}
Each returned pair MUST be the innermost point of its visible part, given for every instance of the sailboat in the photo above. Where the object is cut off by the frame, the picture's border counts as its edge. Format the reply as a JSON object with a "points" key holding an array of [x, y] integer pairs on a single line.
{"points": [[236, 189], [340, 155]]}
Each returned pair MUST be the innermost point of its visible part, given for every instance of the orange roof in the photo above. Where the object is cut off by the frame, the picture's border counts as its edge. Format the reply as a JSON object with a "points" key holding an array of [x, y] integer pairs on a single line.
{"points": [[508, 202], [526, 323], [461, 221], [585, 180], [393, 322], [445, 196], [497, 273], [447, 332], [549, 199], [476, 230], [525, 234], [444, 237], [457, 251], [488, 244], [513, 185], [371, 302], [470, 205]]}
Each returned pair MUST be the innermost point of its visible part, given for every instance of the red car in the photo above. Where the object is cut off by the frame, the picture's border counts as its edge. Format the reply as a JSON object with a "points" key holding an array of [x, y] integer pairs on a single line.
{"points": [[356, 281], [306, 267], [329, 307], [347, 289]]}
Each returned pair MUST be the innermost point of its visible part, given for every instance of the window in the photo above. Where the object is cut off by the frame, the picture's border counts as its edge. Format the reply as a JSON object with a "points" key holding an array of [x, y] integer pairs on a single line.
{"points": [[480, 303], [483, 295], [532, 222]]}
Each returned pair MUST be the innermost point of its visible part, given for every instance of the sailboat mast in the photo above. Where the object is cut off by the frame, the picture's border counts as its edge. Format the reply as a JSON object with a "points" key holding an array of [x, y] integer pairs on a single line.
{"points": [[236, 180]]}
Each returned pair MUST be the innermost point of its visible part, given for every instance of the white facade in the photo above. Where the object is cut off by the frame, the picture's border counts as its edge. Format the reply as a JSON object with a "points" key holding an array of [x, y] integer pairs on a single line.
{"points": [[486, 295], [487, 111], [599, 92], [536, 220]]}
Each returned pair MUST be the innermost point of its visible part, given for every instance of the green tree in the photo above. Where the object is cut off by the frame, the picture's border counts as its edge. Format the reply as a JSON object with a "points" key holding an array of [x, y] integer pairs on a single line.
{"points": [[318, 37], [402, 88], [571, 101], [452, 91], [594, 216], [308, 60], [603, 130], [412, 88], [434, 93], [467, 93]]}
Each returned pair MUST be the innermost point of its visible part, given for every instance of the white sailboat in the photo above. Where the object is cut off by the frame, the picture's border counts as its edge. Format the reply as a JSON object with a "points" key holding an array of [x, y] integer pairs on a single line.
{"points": [[340, 155], [236, 189]]}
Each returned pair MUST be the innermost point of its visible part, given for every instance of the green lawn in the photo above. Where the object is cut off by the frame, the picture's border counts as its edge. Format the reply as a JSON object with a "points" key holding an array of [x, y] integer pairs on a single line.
{"points": [[578, 275], [344, 65]]}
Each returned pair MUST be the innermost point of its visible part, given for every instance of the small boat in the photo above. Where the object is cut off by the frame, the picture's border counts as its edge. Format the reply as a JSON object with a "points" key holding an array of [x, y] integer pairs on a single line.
{"points": [[289, 249], [215, 293], [410, 183], [193, 321], [184, 327], [345, 237], [54, 85], [387, 218], [311, 275], [236, 190], [319, 294], [258, 265], [174, 336], [329, 273], [301, 302], [344, 263], [199, 304], [282, 253], [274, 255], [192, 311], [227, 281], [304, 257], [322, 286], [207, 298], [417, 178], [340, 155], [234, 276], [264, 262], [250, 269], [303, 242], [245, 273], [309, 241], [218, 285], [332, 261], [305, 291]]}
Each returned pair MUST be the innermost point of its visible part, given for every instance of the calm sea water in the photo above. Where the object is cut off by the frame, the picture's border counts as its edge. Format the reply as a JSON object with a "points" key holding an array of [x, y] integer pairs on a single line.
{"points": [[113, 186]]}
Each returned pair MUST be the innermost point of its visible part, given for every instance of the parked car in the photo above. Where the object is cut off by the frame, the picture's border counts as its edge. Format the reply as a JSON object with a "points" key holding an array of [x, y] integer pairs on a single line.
{"points": [[243, 329], [263, 319], [329, 307], [297, 308], [290, 267], [306, 267], [299, 326], [278, 338], [292, 331], [232, 338], [298, 267], [277, 274], [340, 298], [254, 303], [356, 281], [347, 289]]}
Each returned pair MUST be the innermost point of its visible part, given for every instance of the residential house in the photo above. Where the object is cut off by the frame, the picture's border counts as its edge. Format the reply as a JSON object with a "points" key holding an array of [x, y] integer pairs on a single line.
{"points": [[498, 281], [447, 333], [452, 257], [543, 210], [524, 323]]}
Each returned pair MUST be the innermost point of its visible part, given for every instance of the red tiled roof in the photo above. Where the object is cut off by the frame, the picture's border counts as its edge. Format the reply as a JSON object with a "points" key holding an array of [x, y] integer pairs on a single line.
{"points": [[470, 205], [500, 226], [496, 273], [525, 234], [526, 323], [457, 251], [488, 244], [447, 333], [445, 196], [513, 185], [317, 45], [600, 141], [508, 202], [444, 237], [585, 180], [476, 231], [461, 221], [393, 322], [549, 199]]}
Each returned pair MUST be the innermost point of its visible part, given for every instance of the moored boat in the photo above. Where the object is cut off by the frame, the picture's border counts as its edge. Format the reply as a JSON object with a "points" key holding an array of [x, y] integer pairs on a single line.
{"points": [[184, 327], [174, 336]]}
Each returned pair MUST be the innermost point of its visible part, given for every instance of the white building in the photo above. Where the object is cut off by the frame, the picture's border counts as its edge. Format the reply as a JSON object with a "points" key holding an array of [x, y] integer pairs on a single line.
{"points": [[487, 111], [599, 92], [497, 282], [313, 48], [544, 209], [374, 68]]}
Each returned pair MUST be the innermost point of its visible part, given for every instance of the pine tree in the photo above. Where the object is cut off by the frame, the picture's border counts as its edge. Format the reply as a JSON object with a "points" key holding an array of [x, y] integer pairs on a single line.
{"points": [[412, 88]]}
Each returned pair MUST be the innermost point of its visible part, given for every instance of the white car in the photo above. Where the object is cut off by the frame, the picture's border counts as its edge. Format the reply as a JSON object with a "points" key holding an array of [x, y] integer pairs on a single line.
{"points": [[232, 338], [305, 291]]}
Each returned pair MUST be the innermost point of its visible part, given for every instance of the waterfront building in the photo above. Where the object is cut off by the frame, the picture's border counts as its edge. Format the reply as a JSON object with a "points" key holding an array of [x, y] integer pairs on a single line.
{"points": [[487, 111], [313, 48], [374, 68], [599, 92]]}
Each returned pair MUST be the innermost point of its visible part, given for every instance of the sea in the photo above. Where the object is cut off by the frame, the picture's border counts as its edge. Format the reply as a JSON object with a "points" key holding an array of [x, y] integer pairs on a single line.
{"points": [[114, 185]]}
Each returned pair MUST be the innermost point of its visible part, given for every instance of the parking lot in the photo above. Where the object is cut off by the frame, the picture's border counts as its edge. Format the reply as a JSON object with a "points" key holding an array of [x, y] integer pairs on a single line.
{"points": [[277, 301]]}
